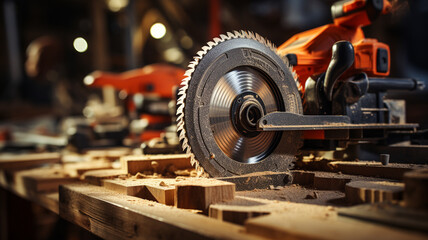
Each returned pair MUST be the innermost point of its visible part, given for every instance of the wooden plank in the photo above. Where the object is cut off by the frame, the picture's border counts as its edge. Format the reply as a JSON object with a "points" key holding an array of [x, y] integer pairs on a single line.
{"points": [[373, 191], [299, 226], [159, 190], [116, 216], [40, 180], [110, 154], [373, 169], [258, 180], [96, 177], [199, 193], [242, 208], [389, 214], [337, 181], [79, 168], [155, 163], [21, 161]]}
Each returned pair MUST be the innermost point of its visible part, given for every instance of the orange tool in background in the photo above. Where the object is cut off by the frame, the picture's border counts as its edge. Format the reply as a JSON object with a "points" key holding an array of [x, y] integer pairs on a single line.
{"points": [[310, 52], [147, 93], [146, 109]]}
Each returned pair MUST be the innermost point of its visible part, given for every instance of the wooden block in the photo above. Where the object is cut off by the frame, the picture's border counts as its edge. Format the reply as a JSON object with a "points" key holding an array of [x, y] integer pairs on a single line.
{"points": [[416, 189], [199, 193], [140, 163], [21, 161], [79, 168], [107, 153], [326, 181], [369, 192], [393, 171], [31, 182], [160, 190], [303, 178], [111, 215], [299, 226], [96, 177]]}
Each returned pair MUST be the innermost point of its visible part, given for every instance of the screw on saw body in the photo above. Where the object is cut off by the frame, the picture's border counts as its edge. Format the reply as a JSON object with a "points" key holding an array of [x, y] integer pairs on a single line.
{"points": [[212, 155]]}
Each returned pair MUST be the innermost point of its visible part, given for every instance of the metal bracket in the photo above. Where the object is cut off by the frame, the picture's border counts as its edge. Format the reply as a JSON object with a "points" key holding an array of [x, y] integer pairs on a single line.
{"points": [[285, 121]]}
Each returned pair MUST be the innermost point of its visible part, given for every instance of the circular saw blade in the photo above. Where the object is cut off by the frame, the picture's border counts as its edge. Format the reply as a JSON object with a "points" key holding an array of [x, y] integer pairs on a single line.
{"points": [[239, 65]]}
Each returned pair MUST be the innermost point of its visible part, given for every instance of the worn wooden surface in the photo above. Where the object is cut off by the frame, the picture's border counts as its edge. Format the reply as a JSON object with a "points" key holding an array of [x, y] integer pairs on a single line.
{"points": [[300, 226], [390, 214], [137, 206], [20, 161], [116, 216], [373, 169], [243, 208]]}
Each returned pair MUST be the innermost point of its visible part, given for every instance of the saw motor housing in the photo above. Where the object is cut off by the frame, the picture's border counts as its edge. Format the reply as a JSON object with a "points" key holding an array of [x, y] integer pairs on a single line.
{"points": [[246, 106]]}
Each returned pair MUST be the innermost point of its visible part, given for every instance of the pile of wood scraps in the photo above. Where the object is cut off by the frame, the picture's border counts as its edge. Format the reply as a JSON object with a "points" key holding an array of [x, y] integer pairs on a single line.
{"points": [[118, 195]]}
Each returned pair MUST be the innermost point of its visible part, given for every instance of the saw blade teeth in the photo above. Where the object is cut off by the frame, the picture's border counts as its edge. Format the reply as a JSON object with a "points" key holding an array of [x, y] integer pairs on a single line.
{"points": [[230, 35], [237, 34], [211, 44], [188, 73], [205, 49], [223, 37], [200, 53], [217, 40]]}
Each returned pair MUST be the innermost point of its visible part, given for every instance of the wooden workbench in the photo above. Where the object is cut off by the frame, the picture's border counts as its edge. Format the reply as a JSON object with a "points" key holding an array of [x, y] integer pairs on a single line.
{"points": [[110, 203]]}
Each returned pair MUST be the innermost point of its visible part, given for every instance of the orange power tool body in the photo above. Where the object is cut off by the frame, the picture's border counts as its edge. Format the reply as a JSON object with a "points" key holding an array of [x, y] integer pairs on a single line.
{"points": [[310, 52], [155, 83]]}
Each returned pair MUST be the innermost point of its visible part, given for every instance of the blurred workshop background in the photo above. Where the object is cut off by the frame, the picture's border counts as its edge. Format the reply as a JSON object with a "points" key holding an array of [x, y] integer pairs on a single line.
{"points": [[48, 47]]}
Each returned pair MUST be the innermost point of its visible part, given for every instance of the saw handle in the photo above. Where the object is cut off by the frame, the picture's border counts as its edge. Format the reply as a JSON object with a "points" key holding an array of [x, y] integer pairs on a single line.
{"points": [[357, 13], [342, 58]]}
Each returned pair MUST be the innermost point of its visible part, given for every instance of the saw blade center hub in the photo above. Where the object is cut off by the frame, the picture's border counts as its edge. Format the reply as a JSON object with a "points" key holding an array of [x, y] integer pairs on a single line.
{"points": [[247, 109]]}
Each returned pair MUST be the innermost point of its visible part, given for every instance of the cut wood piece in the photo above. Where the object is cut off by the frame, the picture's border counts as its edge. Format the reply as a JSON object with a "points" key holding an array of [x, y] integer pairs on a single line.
{"points": [[21, 161], [370, 192], [242, 208], [416, 189], [116, 216], [199, 193], [303, 178], [107, 153], [373, 169], [331, 181], [389, 214], [31, 182], [160, 190], [80, 168], [258, 180], [155, 163], [337, 181], [96, 177], [299, 226]]}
